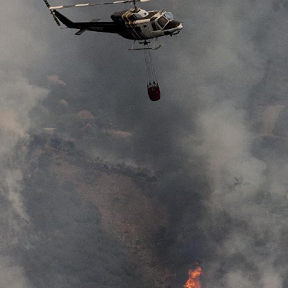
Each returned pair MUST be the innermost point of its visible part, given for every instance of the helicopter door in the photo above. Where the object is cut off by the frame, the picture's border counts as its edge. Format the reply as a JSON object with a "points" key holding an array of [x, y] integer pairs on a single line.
{"points": [[154, 26]]}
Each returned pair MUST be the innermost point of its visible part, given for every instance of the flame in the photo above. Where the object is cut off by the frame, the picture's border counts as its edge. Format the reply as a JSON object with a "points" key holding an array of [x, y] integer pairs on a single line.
{"points": [[194, 278]]}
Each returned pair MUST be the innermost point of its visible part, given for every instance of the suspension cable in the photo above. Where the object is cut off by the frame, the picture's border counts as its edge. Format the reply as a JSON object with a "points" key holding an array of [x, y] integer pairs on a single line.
{"points": [[149, 65]]}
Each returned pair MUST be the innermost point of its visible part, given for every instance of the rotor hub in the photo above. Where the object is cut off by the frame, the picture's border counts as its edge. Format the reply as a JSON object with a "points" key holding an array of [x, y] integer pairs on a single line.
{"points": [[139, 13]]}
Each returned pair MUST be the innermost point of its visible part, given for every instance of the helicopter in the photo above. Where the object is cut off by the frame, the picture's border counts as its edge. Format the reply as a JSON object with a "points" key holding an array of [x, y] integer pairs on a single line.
{"points": [[134, 24]]}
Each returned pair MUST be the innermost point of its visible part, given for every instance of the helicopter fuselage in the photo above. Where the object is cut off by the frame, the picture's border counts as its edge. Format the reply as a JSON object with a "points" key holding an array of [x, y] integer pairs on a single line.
{"points": [[141, 24], [133, 24]]}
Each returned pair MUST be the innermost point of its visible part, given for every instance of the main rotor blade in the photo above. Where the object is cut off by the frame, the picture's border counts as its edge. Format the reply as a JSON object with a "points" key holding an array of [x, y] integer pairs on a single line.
{"points": [[96, 4]]}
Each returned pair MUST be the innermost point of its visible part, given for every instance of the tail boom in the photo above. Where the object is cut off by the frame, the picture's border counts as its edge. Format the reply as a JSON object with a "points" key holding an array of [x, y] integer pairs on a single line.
{"points": [[107, 27]]}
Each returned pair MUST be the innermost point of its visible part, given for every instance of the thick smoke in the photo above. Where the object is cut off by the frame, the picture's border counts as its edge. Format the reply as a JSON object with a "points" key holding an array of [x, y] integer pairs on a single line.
{"points": [[18, 98], [226, 63], [224, 186], [245, 222]]}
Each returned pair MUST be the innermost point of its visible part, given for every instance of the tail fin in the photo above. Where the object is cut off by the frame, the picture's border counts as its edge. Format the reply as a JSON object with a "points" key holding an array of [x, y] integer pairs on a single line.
{"points": [[48, 5], [64, 20]]}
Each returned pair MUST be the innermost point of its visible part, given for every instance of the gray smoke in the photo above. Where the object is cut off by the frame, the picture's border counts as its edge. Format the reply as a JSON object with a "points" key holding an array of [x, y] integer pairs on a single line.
{"points": [[224, 186], [225, 65], [245, 224], [18, 97]]}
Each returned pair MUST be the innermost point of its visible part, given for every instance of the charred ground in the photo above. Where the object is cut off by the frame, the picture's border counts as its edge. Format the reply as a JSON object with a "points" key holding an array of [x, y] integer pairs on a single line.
{"points": [[97, 224]]}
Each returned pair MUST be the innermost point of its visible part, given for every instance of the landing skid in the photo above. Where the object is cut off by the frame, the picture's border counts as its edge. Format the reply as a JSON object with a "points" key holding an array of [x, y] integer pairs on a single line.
{"points": [[146, 44], [144, 48]]}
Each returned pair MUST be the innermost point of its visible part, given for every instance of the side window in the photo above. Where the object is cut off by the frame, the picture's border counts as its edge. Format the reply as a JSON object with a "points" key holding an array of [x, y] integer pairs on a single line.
{"points": [[154, 26]]}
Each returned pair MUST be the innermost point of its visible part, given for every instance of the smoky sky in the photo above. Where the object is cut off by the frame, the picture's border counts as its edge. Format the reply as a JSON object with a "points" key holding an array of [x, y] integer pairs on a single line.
{"points": [[225, 186]]}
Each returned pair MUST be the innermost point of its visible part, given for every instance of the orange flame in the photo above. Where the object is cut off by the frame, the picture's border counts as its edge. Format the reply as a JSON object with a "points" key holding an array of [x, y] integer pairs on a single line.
{"points": [[194, 278]]}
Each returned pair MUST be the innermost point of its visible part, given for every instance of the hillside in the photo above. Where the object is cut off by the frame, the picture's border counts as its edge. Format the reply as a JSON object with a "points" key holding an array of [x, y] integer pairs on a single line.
{"points": [[130, 216]]}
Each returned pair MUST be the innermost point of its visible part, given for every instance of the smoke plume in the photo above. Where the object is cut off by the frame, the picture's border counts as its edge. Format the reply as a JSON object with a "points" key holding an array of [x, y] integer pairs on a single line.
{"points": [[224, 185]]}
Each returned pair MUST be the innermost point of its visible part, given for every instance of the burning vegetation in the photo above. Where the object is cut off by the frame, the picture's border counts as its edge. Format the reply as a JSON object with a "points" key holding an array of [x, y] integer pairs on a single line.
{"points": [[194, 278]]}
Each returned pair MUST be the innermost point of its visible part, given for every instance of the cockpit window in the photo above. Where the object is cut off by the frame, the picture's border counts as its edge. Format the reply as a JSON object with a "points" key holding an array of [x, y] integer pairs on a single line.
{"points": [[169, 15], [162, 21]]}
